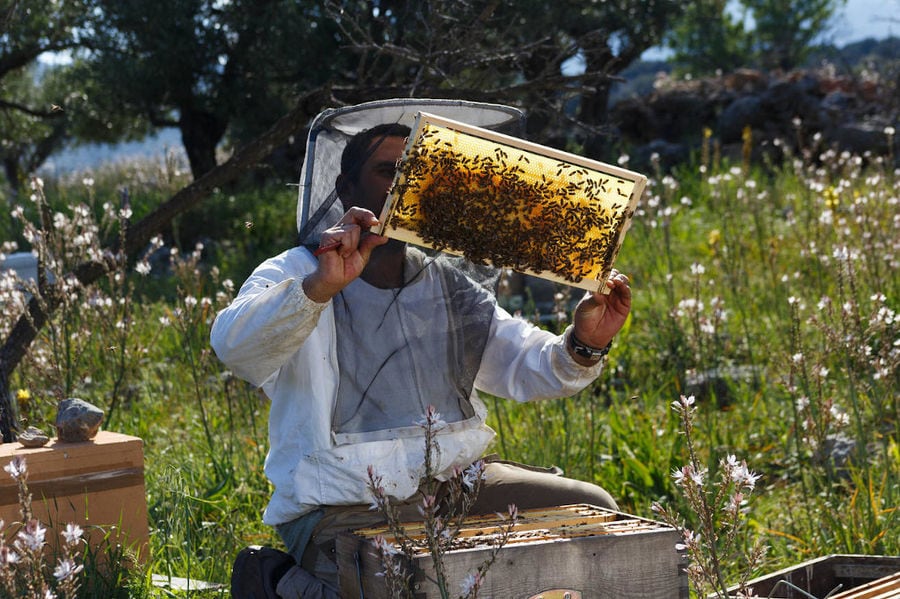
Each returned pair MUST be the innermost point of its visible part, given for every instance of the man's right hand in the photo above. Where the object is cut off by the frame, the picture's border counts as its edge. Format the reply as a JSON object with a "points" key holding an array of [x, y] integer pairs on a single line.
{"points": [[353, 245]]}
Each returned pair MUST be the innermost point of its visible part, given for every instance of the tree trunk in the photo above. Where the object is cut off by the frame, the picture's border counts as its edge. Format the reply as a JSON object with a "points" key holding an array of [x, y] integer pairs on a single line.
{"points": [[201, 132], [16, 345], [12, 172], [594, 113]]}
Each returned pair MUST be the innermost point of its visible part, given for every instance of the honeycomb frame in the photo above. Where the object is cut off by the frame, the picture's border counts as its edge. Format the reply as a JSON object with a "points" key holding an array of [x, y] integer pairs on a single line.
{"points": [[504, 201]]}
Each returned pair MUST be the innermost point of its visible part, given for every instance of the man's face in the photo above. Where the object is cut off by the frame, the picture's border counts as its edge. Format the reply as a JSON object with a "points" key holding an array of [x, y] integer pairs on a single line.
{"points": [[375, 176]]}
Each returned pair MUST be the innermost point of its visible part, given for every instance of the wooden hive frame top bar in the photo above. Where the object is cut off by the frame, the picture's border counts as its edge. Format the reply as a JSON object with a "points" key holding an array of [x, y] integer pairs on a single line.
{"points": [[511, 203], [533, 525]]}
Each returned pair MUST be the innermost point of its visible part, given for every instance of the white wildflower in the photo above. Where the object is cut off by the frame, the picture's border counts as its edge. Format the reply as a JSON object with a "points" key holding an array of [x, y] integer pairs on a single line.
{"points": [[32, 536], [742, 476], [65, 569], [72, 533], [142, 268], [8, 557], [471, 583], [17, 467], [473, 474]]}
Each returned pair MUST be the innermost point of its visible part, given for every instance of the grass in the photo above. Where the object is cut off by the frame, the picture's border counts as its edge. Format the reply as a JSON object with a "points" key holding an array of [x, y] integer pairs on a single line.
{"points": [[770, 294]]}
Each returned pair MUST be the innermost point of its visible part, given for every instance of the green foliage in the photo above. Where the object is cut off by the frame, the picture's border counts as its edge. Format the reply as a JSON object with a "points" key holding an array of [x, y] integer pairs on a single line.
{"points": [[708, 37], [31, 27], [241, 227], [203, 66], [32, 123], [222, 73], [778, 286], [512, 53], [785, 32], [716, 35]]}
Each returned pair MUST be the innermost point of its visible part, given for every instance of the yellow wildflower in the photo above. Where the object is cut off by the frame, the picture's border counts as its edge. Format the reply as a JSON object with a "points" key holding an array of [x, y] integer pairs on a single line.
{"points": [[23, 396]]}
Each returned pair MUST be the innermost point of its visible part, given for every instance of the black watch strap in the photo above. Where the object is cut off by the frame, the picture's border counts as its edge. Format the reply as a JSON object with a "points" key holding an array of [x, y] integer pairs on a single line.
{"points": [[586, 351]]}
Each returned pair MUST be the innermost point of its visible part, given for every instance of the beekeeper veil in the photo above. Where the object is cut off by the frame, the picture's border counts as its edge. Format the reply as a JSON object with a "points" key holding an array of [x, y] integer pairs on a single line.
{"points": [[318, 207], [400, 350]]}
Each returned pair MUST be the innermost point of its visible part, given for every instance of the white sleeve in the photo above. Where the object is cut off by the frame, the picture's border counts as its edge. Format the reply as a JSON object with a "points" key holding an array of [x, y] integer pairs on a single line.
{"points": [[526, 363], [269, 319]]}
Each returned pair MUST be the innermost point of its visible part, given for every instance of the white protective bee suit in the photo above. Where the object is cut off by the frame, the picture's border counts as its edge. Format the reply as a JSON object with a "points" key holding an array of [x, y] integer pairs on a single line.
{"points": [[272, 335]]}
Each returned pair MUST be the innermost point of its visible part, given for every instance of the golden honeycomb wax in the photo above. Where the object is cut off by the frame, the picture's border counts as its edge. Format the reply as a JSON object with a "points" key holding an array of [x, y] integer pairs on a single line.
{"points": [[503, 201]]}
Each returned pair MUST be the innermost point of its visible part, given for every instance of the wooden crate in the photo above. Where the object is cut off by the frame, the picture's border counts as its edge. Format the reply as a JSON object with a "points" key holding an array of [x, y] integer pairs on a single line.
{"points": [[97, 484], [834, 576], [575, 551]]}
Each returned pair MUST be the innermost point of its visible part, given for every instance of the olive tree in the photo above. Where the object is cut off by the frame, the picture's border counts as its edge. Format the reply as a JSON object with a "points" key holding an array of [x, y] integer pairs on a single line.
{"points": [[32, 122]]}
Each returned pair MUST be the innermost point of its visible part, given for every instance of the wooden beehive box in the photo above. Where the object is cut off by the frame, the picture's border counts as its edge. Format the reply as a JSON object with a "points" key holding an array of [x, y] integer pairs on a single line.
{"points": [[835, 577], [504, 201], [97, 484], [576, 551]]}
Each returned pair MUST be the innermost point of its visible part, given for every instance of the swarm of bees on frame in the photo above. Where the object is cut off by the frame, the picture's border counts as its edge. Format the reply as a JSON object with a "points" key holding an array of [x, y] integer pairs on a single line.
{"points": [[498, 204]]}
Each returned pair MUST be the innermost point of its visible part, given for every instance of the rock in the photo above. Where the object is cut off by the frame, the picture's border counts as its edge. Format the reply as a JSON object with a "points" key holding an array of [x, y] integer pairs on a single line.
{"points": [[839, 103], [859, 138], [77, 420], [669, 155], [849, 114], [746, 81], [33, 437], [719, 383], [744, 111], [838, 452]]}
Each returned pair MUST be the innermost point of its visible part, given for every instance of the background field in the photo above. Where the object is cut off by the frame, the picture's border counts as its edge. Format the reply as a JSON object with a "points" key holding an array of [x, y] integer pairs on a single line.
{"points": [[770, 294]]}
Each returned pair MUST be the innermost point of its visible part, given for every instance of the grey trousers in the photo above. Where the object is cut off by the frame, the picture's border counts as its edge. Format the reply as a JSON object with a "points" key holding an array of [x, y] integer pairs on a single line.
{"points": [[312, 540]]}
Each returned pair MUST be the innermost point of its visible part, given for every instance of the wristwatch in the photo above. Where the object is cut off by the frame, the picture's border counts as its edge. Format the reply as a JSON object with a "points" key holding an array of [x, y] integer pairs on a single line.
{"points": [[586, 351]]}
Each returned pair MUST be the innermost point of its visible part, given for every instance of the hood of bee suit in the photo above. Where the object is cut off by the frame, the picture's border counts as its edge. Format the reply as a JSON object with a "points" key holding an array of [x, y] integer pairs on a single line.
{"points": [[318, 207]]}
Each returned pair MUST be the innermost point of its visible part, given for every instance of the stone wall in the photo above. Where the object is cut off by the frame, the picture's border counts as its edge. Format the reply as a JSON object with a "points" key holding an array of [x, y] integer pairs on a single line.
{"points": [[802, 109]]}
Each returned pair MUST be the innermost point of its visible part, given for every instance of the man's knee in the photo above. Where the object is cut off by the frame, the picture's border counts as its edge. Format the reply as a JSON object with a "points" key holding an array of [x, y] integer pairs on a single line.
{"points": [[528, 487]]}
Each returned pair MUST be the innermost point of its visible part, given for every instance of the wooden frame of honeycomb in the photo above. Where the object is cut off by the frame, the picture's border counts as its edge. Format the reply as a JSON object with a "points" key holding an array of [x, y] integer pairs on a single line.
{"points": [[504, 201]]}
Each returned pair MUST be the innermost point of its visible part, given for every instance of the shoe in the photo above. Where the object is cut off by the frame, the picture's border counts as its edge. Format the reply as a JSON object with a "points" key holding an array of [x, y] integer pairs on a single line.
{"points": [[256, 572]]}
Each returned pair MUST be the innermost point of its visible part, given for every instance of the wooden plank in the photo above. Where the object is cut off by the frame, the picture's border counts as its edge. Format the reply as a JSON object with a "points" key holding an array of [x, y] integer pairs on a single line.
{"points": [[562, 520], [177, 583], [492, 197], [821, 576], [635, 566], [882, 588]]}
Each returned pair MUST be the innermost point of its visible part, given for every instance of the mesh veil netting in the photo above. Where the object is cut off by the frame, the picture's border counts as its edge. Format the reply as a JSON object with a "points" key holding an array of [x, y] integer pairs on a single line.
{"points": [[400, 350]]}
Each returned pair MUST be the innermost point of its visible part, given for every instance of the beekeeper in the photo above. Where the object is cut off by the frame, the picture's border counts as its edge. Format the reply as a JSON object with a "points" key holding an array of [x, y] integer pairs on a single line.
{"points": [[352, 336]]}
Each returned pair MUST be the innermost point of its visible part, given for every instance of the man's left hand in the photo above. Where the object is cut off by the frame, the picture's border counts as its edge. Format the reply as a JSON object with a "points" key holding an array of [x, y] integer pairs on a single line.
{"points": [[598, 316]]}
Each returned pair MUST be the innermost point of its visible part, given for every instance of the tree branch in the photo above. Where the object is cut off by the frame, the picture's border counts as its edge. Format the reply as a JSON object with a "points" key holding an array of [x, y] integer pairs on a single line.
{"points": [[54, 112]]}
